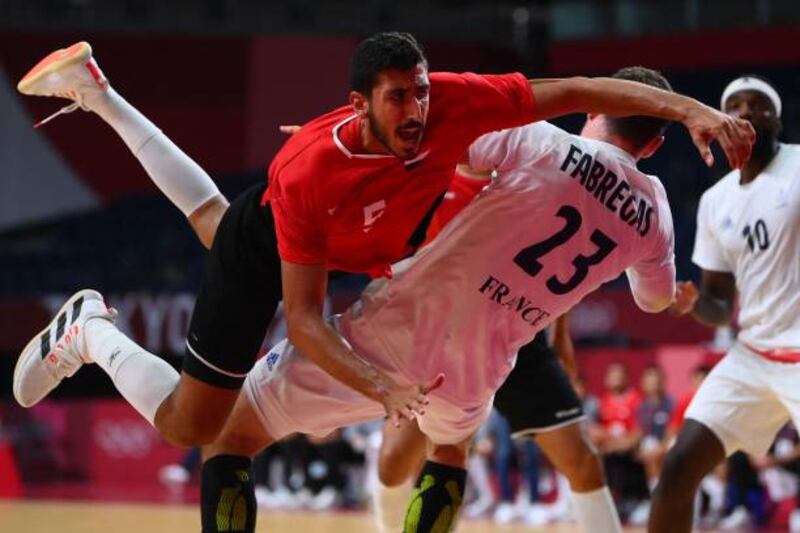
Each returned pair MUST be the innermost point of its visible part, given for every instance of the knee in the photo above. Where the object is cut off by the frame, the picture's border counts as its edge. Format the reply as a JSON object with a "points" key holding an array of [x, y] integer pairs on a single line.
{"points": [[189, 435], [191, 420], [189, 431], [393, 467]]}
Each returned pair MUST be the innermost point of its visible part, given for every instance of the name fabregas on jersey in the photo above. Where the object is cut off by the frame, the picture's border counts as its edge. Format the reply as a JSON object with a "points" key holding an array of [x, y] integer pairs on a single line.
{"points": [[608, 189]]}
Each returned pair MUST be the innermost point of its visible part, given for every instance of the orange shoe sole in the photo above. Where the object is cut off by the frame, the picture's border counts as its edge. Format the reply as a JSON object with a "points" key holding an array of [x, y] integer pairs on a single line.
{"points": [[77, 53]]}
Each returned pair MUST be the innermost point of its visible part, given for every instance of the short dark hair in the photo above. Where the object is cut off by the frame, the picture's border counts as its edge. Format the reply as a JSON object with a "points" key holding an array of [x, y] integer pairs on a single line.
{"points": [[382, 51], [640, 130]]}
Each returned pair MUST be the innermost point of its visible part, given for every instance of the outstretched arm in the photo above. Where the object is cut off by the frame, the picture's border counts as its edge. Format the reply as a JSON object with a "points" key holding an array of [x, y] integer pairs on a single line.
{"points": [[556, 97], [304, 289]]}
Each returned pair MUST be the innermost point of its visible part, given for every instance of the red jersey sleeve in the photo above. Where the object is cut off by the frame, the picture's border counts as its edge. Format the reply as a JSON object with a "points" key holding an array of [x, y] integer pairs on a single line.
{"points": [[496, 102], [301, 235], [299, 224]]}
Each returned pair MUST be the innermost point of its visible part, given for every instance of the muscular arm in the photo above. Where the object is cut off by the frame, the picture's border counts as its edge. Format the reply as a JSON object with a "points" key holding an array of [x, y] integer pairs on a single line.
{"points": [[714, 306], [610, 96], [304, 289], [556, 97], [303, 296]]}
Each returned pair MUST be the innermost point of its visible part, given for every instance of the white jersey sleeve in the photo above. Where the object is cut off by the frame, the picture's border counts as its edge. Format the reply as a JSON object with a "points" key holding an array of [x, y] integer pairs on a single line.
{"points": [[507, 149], [652, 280], [708, 251]]}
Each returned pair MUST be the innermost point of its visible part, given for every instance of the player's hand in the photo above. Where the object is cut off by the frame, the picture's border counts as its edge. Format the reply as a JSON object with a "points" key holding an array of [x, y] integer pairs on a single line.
{"points": [[734, 135], [407, 402], [289, 129], [686, 295]]}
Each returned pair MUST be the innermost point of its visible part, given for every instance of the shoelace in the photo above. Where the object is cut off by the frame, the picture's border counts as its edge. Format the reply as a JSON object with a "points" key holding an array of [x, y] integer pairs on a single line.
{"points": [[69, 359], [64, 110]]}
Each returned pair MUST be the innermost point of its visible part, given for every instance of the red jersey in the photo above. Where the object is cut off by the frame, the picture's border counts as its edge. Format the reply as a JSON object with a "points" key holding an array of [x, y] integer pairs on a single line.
{"points": [[618, 411], [461, 192], [357, 212]]}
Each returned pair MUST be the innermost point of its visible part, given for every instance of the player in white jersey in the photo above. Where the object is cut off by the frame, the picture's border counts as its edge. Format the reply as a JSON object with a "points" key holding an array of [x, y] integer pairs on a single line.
{"points": [[746, 243], [566, 214]]}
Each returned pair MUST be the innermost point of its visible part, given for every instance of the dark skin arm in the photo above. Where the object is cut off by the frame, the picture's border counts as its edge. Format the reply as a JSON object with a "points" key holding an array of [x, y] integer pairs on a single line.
{"points": [[304, 288], [713, 304]]}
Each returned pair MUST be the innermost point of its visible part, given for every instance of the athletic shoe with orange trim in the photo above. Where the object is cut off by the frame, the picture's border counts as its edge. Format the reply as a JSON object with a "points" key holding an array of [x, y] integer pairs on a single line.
{"points": [[59, 350], [70, 73]]}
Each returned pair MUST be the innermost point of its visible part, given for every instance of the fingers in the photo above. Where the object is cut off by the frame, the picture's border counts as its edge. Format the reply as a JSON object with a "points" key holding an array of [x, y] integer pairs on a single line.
{"points": [[686, 295], [704, 148], [736, 139]]}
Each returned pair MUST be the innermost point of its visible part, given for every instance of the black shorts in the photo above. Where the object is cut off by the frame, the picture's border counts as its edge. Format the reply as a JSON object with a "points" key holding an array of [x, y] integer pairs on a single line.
{"points": [[239, 295], [538, 395]]}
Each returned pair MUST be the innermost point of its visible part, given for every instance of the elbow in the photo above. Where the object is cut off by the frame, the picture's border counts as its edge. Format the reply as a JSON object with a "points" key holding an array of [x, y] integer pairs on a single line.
{"points": [[655, 305]]}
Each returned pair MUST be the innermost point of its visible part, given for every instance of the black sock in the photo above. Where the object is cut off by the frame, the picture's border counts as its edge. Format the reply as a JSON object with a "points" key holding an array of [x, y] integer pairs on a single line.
{"points": [[227, 495], [436, 499]]}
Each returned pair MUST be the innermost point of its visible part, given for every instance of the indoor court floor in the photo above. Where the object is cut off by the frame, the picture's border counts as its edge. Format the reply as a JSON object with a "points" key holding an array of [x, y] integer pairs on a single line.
{"points": [[37, 516]]}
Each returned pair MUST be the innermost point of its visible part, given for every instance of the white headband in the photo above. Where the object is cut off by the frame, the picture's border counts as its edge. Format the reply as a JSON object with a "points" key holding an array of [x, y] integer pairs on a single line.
{"points": [[747, 83]]}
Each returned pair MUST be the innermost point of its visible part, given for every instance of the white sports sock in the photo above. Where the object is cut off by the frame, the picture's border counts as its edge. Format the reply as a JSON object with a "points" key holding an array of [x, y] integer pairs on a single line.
{"points": [[143, 379], [595, 511], [390, 505], [181, 179]]}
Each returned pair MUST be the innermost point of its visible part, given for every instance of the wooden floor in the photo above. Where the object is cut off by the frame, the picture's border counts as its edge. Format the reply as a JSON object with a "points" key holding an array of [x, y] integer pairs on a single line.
{"points": [[69, 517]]}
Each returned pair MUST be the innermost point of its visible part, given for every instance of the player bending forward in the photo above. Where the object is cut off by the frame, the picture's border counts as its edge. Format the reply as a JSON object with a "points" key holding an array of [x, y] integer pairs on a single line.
{"points": [[566, 214]]}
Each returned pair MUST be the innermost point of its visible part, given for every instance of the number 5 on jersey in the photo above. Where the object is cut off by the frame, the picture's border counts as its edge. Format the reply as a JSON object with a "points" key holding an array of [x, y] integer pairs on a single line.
{"points": [[528, 258]]}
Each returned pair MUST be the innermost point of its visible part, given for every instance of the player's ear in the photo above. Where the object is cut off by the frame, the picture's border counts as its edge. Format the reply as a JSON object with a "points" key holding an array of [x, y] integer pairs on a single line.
{"points": [[359, 103], [652, 147]]}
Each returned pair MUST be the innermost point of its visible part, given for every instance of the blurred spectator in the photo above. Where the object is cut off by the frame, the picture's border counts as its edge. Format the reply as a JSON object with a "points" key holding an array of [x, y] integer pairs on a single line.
{"points": [[746, 497], [591, 410], [653, 417], [619, 440], [779, 470], [499, 432]]}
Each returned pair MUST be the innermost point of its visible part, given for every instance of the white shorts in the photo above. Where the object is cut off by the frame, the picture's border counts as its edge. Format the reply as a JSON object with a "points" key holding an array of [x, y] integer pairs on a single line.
{"points": [[291, 394], [747, 399]]}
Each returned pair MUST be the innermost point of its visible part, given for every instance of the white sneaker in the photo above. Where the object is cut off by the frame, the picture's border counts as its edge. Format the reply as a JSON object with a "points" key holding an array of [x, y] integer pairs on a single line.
{"points": [[505, 513], [70, 73], [59, 350], [537, 515], [478, 508]]}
